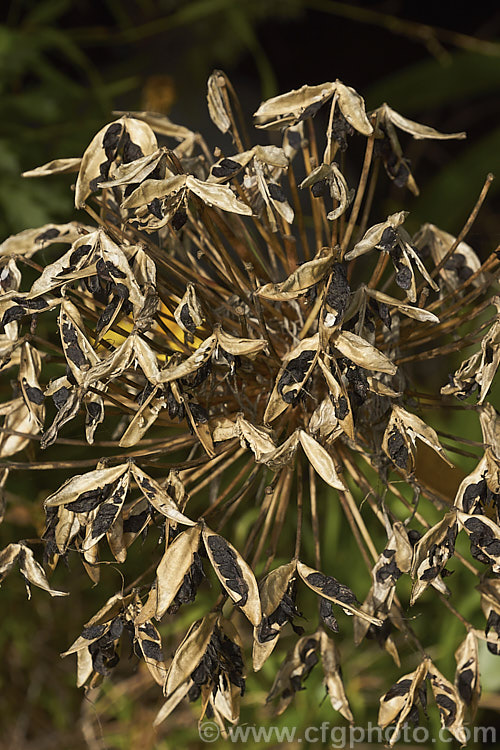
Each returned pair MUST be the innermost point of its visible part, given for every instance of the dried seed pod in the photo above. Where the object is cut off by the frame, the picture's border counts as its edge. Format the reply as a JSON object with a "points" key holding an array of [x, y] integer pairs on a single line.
{"points": [[190, 652], [174, 567], [331, 589], [277, 595], [320, 460], [126, 136], [188, 314], [216, 103], [330, 660], [290, 108], [296, 368], [305, 277], [430, 555], [451, 707], [467, 673], [147, 641], [484, 535], [401, 701], [30, 569], [159, 498], [384, 233], [294, 670], [235, 575]]}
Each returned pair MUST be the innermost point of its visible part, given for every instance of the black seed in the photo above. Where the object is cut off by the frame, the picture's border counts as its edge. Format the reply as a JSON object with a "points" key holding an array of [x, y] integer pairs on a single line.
{"points": [[35, 395], [179, 219], [341, 129], [131, 151], [404, 277], [337, 295], [121, 291], [321, 188], [341, 408], [225, 168], [295, 372], [449, 708], [104, 519], [75, 355], [79, 253], [399, 689], [111, 138], [220, 549], [389, 570], [388, 239], [397, 449], [198, 413], [152, 650], [155, 208], [15, 312], [134, 523], [310, 111], [38, 303], [276, 192], [326, 614], [464, 685], [186, 319], [430, 573], [93, 631], [60, 397], [114, 270], [69, 334], [94, 410], [50, 234], [478, 529], [86, 501]]}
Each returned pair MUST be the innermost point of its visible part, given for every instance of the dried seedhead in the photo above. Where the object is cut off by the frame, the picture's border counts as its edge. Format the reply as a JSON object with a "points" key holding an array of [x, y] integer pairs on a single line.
{"points": [[219, 343]]}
